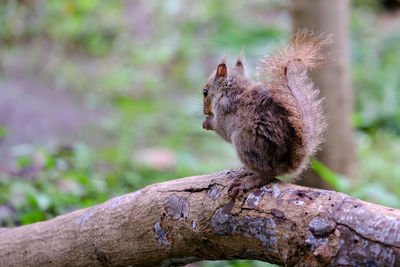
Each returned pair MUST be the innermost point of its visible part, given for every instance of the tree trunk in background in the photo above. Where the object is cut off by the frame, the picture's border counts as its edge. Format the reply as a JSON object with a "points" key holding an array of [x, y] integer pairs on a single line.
{"points": [[331, 17]]}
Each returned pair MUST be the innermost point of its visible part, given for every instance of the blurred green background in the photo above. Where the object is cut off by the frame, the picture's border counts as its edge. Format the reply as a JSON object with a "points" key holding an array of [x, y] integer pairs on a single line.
{"points": [[101, 98]]}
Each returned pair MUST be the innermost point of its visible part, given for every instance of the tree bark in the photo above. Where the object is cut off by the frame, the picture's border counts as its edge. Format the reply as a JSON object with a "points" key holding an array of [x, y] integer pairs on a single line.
{"points": [[192, 219], [331, 17]]}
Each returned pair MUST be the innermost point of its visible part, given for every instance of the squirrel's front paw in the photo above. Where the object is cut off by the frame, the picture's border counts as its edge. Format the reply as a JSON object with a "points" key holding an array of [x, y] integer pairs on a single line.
{"points": [[207, 123]]}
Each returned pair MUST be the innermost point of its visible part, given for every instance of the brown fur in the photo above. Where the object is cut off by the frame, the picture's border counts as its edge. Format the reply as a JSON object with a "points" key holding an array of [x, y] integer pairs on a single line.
{"points": [[274, 125]]}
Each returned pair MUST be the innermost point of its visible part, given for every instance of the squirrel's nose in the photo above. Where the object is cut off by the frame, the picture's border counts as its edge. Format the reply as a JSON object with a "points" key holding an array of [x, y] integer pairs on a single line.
{"points": [[207, 111]]}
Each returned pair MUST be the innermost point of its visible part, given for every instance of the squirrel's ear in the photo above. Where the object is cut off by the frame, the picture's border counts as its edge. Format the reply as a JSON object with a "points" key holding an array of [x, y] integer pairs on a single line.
{"points": [[239, 62], [222, 71]]}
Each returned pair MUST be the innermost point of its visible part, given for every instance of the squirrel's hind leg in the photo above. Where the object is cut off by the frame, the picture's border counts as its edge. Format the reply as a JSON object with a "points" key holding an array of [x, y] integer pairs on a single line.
{"points": [[245, 180]]}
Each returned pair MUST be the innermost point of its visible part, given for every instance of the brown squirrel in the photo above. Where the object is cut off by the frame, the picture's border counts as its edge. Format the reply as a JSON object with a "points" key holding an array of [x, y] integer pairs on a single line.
{"points": [[275, 125]]}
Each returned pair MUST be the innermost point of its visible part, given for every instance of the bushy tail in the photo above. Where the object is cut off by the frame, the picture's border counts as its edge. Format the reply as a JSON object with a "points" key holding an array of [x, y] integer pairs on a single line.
{"points": [[287, 79]]}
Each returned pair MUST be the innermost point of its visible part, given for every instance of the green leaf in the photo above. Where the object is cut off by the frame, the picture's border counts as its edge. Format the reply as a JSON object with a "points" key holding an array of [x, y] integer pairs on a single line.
{"points": [[24, 161], [32, 216], [338, 182], [3, 132]]}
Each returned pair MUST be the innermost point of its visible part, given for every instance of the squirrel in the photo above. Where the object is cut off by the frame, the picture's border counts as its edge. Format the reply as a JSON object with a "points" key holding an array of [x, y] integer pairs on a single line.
{"points": [[275, 124]]}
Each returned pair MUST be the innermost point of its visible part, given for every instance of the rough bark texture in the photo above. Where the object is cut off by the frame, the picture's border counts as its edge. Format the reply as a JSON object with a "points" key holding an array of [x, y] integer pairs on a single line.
{"points": [[191, 219], [331, 17]]}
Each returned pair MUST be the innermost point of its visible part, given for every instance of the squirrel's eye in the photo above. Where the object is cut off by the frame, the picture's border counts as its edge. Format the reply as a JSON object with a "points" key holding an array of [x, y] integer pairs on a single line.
{"points": [[205, 92]]}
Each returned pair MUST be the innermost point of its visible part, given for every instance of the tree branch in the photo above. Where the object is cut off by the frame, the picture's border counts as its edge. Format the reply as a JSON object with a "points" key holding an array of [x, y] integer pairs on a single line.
{"points": [[192, 219]]}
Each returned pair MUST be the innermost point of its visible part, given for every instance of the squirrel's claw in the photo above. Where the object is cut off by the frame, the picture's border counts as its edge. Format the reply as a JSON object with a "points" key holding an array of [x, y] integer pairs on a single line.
{"points": [[238, 188]]}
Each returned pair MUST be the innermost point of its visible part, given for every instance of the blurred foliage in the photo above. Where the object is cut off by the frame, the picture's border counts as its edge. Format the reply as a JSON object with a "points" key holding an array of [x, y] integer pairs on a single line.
{"points": [[376, 66], [86, 24], [139, 66], [144, 62]]}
